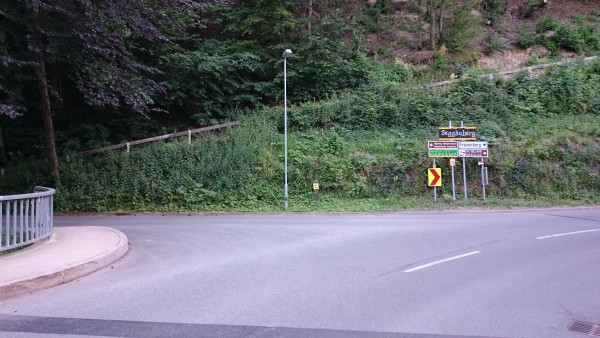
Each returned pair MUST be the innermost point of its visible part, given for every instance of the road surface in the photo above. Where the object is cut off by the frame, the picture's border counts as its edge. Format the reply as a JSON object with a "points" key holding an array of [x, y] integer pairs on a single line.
{"points": [[427, 274]]}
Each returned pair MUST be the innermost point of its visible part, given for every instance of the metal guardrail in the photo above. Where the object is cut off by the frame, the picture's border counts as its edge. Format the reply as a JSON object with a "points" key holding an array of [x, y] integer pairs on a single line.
{"points": [[27, 218]]}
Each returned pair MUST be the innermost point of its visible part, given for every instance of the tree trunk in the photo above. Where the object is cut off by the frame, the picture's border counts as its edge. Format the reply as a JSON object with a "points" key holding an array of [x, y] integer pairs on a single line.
{"points": [[45, 100], [310, 12], [47, 116], [2, 149], [432, 24], [420, 25], [440, 31]]}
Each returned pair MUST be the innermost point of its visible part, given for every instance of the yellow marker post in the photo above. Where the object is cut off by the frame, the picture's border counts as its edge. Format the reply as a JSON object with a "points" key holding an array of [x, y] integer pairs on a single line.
{"points": [[316, 190]]}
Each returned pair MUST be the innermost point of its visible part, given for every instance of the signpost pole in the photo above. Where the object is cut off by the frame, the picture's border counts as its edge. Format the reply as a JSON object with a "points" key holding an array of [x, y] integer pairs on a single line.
{"points": [[434, 188], [464, 167], [453, 187], [452, 162], [483, 177]]}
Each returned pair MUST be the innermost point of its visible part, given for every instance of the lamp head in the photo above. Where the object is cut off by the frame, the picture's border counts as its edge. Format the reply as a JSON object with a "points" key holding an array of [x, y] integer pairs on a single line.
{"points": [[287, 53]]}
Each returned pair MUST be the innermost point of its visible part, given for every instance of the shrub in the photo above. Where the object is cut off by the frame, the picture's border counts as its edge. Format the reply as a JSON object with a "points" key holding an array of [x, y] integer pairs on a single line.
{"points": [[546, 24], [492, 44], [568, 38], [526, 37]]}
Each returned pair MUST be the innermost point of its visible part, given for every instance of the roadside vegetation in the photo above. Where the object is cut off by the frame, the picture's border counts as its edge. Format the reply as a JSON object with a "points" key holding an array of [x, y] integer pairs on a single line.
{"points": [[359, 118], [366, 148]]}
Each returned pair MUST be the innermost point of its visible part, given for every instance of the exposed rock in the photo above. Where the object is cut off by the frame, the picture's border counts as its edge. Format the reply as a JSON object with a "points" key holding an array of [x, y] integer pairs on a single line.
{"points": [[539, 51]]}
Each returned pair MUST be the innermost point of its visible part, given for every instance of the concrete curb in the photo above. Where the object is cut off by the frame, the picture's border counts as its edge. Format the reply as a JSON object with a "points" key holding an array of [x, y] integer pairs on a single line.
{"points": [[67, 273]]}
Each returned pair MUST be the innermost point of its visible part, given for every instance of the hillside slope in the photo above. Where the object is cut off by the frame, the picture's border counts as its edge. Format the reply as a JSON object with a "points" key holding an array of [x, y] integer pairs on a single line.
{"points": [[402, 33]]}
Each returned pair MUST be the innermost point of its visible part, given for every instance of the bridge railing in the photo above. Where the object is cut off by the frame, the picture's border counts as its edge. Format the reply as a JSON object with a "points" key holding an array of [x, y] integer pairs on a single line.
{"points": [[27, 218]]}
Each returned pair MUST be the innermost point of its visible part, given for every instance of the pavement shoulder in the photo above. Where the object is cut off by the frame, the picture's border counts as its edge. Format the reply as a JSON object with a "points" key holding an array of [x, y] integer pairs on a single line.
{"points": [[70, 253]]}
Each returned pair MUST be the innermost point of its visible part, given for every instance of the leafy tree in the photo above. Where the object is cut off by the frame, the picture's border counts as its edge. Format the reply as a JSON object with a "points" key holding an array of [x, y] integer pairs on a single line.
{"points": [[323, 67], [448, 22], [435, 10], [461, 27], [96, 45], [214, 81], [264, 21]]}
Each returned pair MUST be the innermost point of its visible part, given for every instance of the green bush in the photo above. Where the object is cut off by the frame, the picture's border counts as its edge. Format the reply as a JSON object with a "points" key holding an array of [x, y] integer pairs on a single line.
{"points": [[526, 37], [492, 44], [171, 175], [568, 38], [578, 38], [546, 24]]}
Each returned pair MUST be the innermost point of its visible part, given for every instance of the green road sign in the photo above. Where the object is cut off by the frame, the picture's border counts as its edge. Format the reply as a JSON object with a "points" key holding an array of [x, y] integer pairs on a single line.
{"points": [[443, 152]]}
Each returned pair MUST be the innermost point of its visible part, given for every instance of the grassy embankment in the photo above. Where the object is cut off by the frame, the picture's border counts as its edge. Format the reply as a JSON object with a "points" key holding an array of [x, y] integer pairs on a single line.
{"points": [[368, 151]]}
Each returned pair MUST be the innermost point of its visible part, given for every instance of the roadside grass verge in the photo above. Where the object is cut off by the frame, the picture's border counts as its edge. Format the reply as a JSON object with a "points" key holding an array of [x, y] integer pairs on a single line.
{"points": [[329, 204]]}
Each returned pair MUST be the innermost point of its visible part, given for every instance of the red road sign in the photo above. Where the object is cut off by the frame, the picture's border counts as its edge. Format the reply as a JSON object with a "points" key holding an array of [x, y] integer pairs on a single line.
{"points": [[434, 176], [473, 153]]}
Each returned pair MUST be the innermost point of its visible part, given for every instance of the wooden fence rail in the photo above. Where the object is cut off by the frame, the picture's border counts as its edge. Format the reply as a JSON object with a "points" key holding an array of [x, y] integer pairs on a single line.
{"points": [[161, 137], [189, 133], [529, 69]]}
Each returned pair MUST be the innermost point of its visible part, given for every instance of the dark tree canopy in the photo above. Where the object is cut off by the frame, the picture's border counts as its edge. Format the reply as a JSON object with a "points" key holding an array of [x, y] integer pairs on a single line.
{"points": [[98, 44], [87, 65]]}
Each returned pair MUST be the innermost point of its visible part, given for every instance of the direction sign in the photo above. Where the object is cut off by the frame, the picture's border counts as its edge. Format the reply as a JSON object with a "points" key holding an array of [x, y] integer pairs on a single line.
{"points": [[434, 177], [472, 145], [473, 153], [442, 148], [442, 144], [443, 153]]}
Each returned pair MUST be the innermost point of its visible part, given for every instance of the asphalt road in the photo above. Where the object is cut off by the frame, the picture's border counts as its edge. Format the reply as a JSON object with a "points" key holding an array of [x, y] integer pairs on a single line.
{"points": [[439, 274]]}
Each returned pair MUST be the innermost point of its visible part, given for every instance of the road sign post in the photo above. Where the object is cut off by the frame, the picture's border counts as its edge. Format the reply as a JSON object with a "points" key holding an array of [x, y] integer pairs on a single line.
{"points": [[458, 142], [316, 190], [452, 164], [464, 171], [434, 187], [483, 172]]}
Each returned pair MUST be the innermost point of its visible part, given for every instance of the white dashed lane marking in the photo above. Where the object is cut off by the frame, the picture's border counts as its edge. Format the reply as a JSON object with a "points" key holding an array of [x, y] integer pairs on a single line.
{"points": [[568, 233], [441, 261]]}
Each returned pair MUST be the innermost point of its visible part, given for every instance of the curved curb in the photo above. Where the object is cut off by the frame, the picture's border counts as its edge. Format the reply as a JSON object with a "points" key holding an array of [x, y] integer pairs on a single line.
{"points": [[67, 273]]}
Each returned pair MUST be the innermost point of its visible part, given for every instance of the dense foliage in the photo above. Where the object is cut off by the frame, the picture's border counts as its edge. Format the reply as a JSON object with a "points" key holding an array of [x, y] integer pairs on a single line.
{"points": [[361, 144]]}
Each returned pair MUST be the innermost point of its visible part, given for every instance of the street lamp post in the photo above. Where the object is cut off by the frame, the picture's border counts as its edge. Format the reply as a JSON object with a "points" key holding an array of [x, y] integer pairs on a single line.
{"points": [[285, 55]]}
